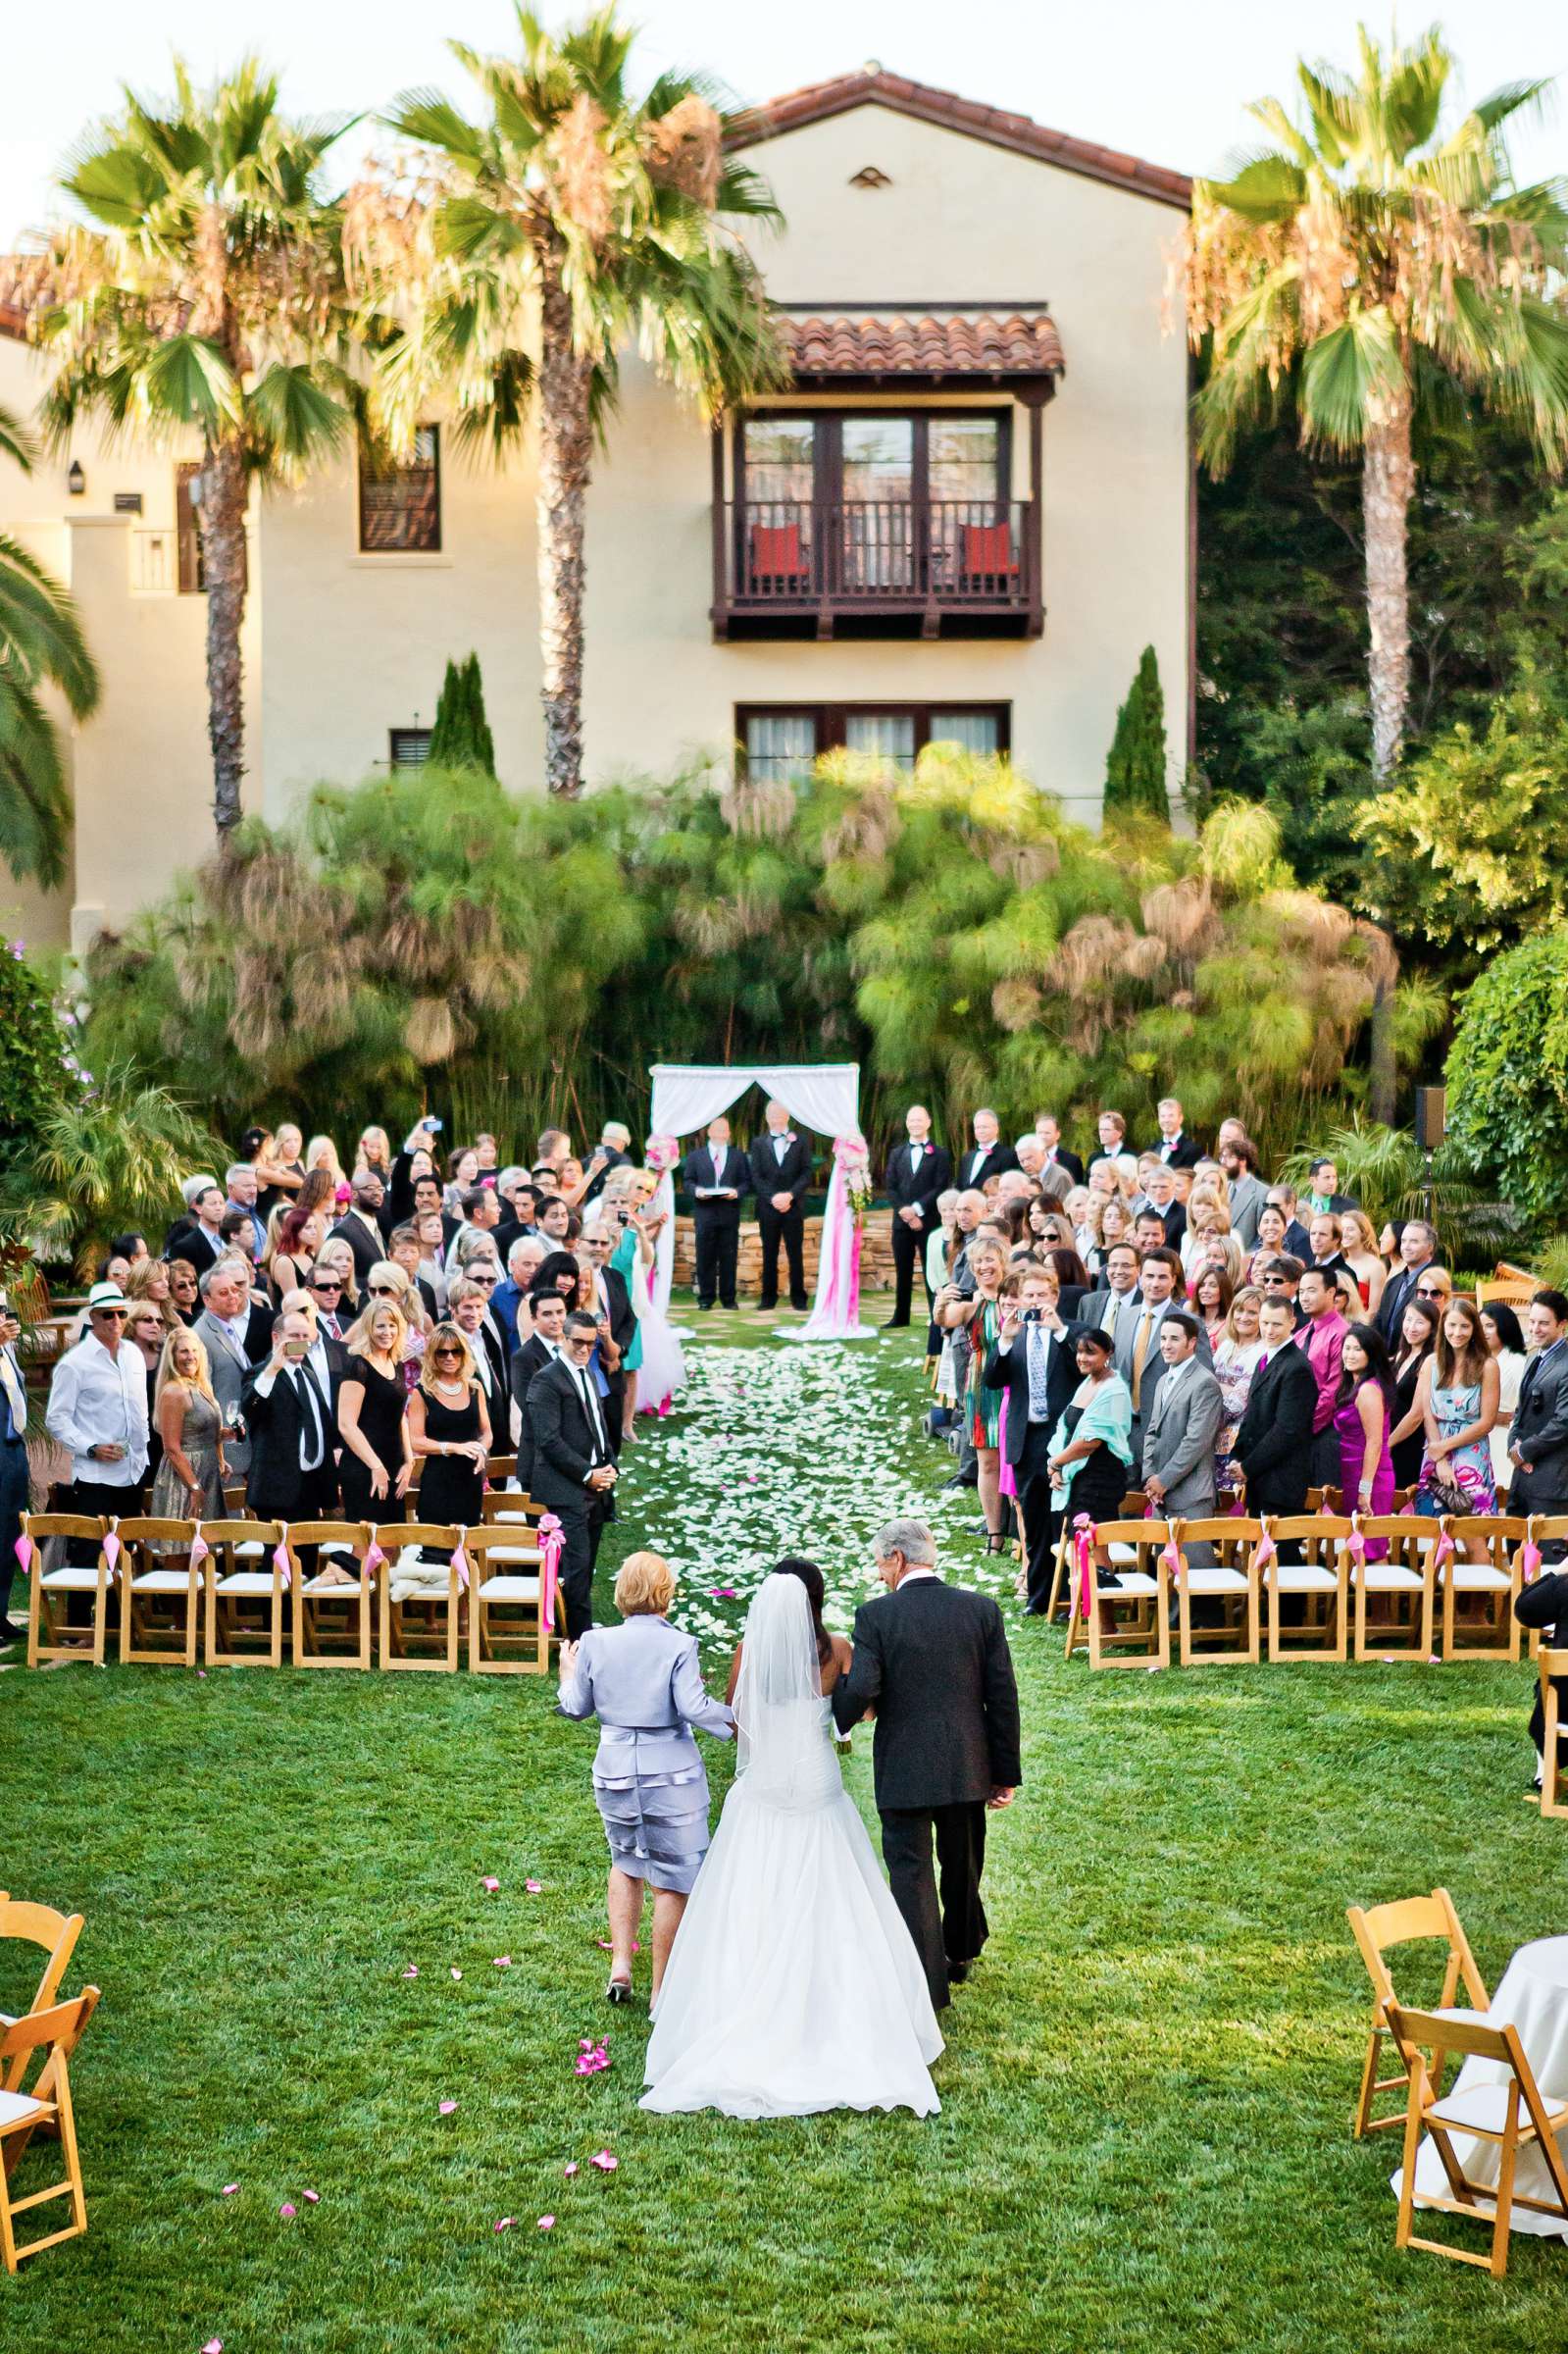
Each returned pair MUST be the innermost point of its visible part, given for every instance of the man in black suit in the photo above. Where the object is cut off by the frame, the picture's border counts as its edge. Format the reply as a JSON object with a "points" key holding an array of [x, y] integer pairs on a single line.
{"points": [[541, 1348], [933, 1659], [1035, 1364], [1176, 1148], [781, 1174], [618, 1318], [1539, 1435], [359, 1226], [917, 1172], [1048, 1129], [988, 1156], [1171, 1212], [292, 1475], [718, 1177], [573, 1473], [197, 1236], [468, 1302], [1298, 1240], [1418, 1247], [1274, 1441], [260, 1316]]}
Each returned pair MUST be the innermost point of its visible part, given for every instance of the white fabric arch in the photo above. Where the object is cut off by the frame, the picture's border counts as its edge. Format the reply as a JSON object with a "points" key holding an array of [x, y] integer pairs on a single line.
{"points": [[823, 1097]]}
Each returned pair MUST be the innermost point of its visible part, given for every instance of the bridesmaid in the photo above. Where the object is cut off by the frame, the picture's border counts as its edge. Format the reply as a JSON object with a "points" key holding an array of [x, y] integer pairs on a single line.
{"points": [[1363, 1416]]}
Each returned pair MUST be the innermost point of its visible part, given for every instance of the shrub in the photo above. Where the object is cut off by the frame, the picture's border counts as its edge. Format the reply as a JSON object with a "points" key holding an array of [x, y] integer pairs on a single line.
{"points": [[1507, 1073]]}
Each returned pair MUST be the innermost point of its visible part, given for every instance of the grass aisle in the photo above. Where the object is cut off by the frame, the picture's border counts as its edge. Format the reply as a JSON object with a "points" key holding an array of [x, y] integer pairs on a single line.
{"points": [[1145, 2099]]}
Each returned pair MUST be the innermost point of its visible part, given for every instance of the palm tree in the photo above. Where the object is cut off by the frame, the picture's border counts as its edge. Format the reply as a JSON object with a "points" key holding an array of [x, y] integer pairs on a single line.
{"points": [[1381, 267], [572, 218], [41, 645], [206, 295]]}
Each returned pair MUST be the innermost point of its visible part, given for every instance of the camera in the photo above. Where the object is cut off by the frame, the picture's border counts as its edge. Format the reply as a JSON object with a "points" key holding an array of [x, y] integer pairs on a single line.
{"points": [[1033, 1315], [435, 1126], [622, 1218]]}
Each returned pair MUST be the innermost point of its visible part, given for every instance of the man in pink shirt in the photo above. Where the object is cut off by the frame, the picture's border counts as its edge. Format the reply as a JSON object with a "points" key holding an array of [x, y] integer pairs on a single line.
{"points": [[1322, 1338]]}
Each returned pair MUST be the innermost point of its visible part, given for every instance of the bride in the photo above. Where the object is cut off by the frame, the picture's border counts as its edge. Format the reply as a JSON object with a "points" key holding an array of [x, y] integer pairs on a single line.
{"points": [[793, 1984]]}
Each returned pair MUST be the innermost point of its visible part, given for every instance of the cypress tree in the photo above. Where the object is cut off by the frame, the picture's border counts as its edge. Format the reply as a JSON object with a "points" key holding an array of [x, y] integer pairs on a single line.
{"points": [[483, 743], [1134, 772], [460, 737]]}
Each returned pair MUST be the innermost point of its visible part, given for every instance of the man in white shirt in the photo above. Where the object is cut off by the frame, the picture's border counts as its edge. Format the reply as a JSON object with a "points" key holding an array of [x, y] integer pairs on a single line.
{"points": [[220, 1329], [97, 1412]]}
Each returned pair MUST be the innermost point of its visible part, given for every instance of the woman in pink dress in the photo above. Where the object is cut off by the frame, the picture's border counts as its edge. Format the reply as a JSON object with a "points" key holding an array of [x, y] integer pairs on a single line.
{"points": [[1363, 1416]]}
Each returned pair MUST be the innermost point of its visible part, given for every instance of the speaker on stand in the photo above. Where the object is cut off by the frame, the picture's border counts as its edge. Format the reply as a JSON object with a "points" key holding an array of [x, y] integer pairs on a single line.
{"points": [[1432, 1121]]}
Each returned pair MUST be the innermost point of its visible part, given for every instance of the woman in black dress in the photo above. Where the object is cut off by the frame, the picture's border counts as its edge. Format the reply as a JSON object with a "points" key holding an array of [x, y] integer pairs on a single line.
{"points": [[449, 1425], [1413, 1344], [372, 1419]]}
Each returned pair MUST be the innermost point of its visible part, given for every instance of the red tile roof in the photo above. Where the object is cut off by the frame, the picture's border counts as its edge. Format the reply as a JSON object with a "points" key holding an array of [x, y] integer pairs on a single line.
{"points": [[12, 321], [888, 344], [873, 86]]}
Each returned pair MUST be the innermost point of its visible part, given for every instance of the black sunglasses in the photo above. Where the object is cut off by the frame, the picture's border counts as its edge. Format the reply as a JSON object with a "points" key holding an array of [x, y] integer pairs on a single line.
{"points": [[325, 1283]]}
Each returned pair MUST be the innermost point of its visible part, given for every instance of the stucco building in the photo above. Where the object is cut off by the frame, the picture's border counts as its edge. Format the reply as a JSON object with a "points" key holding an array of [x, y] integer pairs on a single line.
{"points": [[965, 520]]}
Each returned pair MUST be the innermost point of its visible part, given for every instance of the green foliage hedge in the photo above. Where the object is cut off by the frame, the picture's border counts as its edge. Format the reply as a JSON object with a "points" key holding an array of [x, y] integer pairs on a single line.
{"points": [[1508, 1074], [425, 941]]}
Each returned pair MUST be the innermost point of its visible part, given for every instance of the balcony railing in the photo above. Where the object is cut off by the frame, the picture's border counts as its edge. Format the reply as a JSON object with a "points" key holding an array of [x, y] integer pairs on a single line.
{"points": [[921, 560]]}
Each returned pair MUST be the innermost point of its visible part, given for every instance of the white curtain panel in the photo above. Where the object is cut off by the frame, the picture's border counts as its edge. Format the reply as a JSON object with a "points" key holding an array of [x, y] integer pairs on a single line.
{"points": [[823, 1097]]}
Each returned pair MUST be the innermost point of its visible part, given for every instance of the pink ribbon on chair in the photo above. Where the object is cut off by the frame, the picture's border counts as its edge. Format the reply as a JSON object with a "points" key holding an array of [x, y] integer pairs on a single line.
{"points": [[1444, 1551], [552, 1540], [1264, 1554], [24, 1552], [280, 1563], [111, 1551], [1528, 1558], [460, 1564], [1175, 1562], [1084, 1562], [199, 1547], [374, 1558], [1355, 1543]]}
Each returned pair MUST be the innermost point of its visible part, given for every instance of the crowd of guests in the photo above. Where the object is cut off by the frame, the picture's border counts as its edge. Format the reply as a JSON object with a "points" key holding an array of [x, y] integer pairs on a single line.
{"points": [[308, 1337], [1165, 1322]]}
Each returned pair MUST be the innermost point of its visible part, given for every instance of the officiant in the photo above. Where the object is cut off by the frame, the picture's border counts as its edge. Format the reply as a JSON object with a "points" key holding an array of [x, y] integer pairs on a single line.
{"points": [[781, 1172], [718, 1177]]}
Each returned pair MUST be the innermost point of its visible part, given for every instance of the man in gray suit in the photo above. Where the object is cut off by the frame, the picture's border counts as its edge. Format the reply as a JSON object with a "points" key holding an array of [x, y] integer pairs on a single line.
{"points": [[1110, 1310], [1137, 1353], [1183, 1420], [219, 1328]]}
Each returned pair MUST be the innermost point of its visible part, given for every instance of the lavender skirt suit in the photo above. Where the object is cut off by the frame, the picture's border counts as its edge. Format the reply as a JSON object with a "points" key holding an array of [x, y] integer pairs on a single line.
{"points": [[643, 1683]]}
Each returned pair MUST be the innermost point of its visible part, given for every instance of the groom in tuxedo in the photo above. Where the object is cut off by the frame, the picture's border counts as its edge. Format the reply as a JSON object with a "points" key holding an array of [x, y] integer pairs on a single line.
{"points": [[781, 1172], [933, 1661]]}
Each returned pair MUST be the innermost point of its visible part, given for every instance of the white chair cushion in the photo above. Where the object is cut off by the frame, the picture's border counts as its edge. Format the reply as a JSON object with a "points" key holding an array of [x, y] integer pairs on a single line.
{"points": [[15, 2105], [512, 1553], [245, 1581], [71, 1581], [1131, 1581], [1301, 1578], [1215, 1582], [1487, 2106], [1386, 1577], [509, 1589], [251, 1550], [1117, 1552], [336, 1545], [1473, 1577], [161, 1581], [513, 1519]]}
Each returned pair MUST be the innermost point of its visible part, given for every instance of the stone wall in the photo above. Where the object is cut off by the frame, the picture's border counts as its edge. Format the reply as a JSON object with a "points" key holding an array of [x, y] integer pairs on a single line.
{"points": [[876, 1256]]}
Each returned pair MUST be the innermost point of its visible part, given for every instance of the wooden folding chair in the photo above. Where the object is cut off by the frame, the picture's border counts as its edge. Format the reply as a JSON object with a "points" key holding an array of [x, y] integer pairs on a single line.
{"points": [[1134, 1550], [1498, 1538], [1544, 1528], [1404, 1578], [1508, 2116], [420, 1593], [332, 1622], [1321, 1578], [246, 1575], [1377, 1928], [55, 2033], [1233, 1582], [159, 1592], [56, 1934], [508, 1633], [1550, 1665], [500, 1468], [48, 1637]]}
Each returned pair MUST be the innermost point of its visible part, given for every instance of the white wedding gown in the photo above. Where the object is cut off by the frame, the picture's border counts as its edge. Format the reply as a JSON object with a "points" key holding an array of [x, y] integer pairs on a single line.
{"points": [[793, 1984]]}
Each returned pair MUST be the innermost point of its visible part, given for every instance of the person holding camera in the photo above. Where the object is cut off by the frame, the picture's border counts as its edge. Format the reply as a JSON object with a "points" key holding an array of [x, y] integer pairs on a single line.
{"points": [[1035, 1363], [292, 1474]]}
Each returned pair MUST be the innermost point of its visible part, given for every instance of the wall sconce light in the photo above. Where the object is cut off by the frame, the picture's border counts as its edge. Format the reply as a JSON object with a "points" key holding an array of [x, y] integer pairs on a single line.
{"points": [[75, 480]]}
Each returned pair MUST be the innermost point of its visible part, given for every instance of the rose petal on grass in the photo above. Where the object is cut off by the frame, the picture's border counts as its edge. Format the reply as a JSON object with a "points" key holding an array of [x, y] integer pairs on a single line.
{"points": [[288, 2211], [570, 2169], [546, 2222], [445, 2108], [413, 1970], [228, 2190], [503, 1961], [458, 1975], [214, 2345], [489, 1883], [312, 2198], [506, 2223], [534, 1886], [604, 2161]]}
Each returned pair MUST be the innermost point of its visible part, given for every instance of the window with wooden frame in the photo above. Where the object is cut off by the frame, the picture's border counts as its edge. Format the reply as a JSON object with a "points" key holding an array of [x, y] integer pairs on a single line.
{"points": [[400, 505], [408, 748], [778, 741]]}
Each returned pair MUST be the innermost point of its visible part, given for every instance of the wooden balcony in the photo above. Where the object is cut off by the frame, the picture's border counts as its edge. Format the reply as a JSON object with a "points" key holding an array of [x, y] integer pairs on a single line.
{"points": [[884, 568]]}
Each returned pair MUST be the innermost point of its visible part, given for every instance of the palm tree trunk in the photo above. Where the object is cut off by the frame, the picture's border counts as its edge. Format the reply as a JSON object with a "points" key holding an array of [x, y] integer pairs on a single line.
{"points": [[224, 494], [566, 446], [1388, 480]]}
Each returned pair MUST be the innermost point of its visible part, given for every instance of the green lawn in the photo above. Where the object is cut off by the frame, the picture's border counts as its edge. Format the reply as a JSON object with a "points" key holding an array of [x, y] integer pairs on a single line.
{"points": [[1145, 2098]]}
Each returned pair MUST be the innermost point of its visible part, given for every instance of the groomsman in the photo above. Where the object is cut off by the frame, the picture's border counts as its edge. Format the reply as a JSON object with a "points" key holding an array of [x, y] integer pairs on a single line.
{"points": [[291, 1474], [717, 1176], [781, 1172], [916, 1173], [1176, 1147], [1035, 1363], [989, 1155], [1048, 1129], [572, 1473]]}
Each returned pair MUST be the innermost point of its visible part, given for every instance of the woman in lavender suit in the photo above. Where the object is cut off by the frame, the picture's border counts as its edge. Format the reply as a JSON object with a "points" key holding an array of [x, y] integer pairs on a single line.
{"points": [[643, 1683]]}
